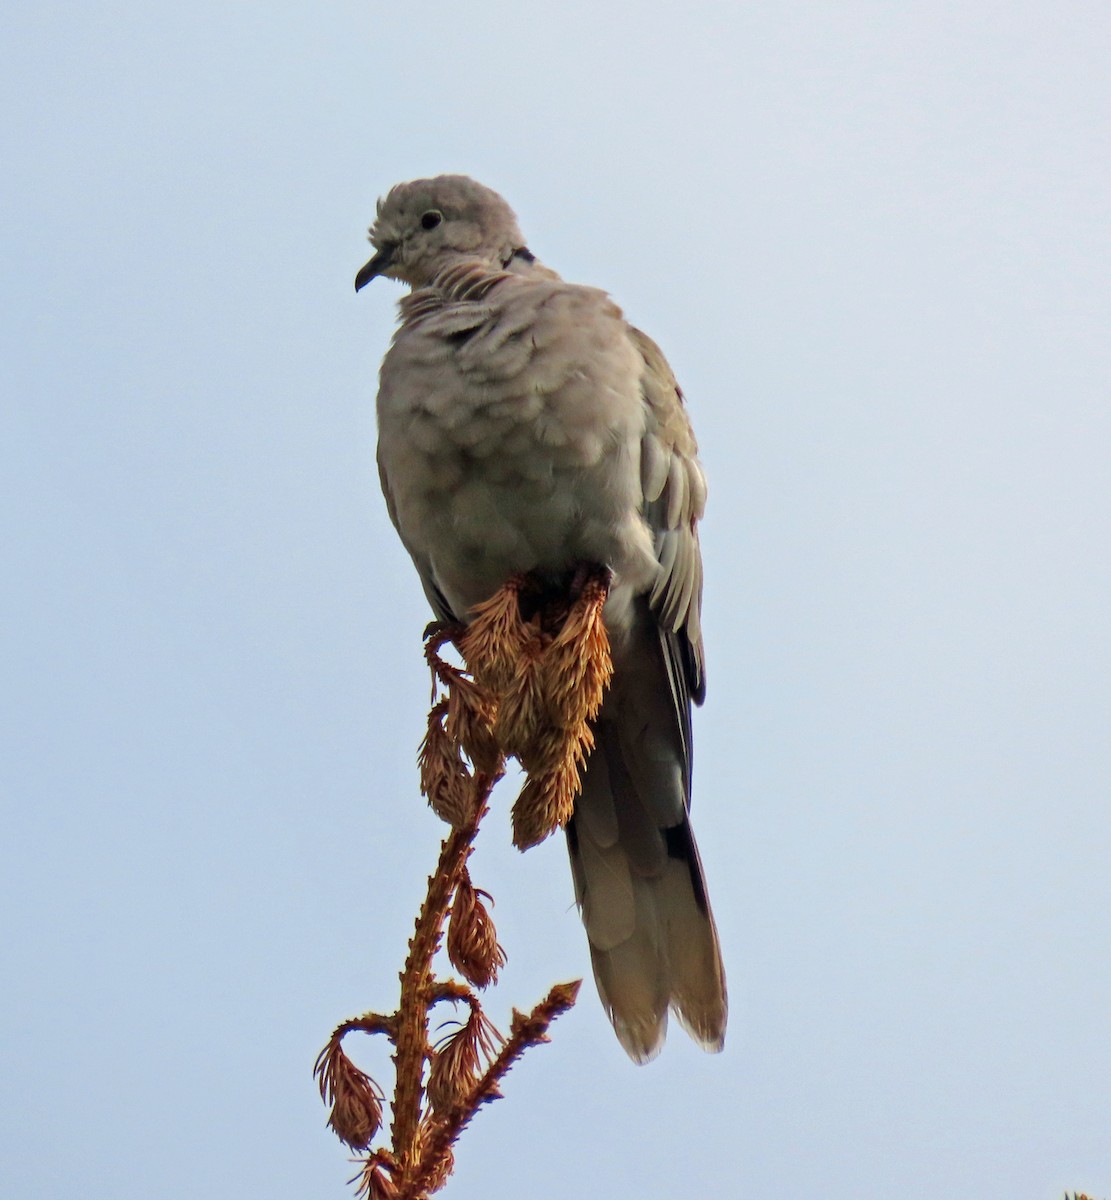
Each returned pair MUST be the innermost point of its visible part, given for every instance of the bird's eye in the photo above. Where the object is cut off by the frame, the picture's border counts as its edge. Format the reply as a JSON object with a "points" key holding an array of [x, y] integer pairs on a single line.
{"points": [[431, 219]]}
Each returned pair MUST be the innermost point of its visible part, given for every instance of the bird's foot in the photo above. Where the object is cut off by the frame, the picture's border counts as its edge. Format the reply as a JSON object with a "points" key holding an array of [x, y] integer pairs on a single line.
{"points": [[588, 573]]}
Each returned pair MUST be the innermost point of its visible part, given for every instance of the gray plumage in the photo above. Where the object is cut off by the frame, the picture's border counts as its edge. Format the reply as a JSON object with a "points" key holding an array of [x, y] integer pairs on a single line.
{"points": [[524, 425]]}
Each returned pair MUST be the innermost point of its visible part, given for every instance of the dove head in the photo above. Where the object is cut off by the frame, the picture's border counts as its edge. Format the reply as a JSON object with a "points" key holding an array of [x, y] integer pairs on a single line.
{"points": [[428, 224]]}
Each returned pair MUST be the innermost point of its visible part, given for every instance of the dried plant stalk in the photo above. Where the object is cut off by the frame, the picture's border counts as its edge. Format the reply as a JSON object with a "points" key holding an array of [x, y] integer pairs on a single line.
{"points": [[411, 1042], [526, 1030], [530, 689]]}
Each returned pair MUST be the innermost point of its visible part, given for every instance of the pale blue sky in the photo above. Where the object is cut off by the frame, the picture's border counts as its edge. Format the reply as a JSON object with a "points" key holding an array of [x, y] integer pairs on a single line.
{"points": [[873, 239]]}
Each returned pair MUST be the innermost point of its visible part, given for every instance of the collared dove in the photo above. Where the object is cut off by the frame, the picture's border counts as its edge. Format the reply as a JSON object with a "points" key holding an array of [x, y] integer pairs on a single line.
{"points": [[525, 426]]}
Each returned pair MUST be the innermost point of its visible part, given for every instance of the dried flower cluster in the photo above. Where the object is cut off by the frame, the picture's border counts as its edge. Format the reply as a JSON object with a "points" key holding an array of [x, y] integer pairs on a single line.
{"points": [[533, 681], [354, 1098], [544, 680]]}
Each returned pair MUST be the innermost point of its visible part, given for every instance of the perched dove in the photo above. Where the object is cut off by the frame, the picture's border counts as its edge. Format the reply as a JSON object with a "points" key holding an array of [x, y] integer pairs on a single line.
{"points": [[524, 425]]}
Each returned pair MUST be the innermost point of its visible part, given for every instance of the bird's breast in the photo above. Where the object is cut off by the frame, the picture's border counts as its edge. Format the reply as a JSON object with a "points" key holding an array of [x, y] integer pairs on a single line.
{"points": [[514, 449]]}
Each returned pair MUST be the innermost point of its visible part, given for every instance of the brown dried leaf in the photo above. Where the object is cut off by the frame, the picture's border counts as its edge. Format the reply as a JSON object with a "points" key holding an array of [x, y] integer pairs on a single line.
{"points": [[459, 1060], [453, 1071], [472, 940], [355, 1099], [376, 1181], [444, 778]]}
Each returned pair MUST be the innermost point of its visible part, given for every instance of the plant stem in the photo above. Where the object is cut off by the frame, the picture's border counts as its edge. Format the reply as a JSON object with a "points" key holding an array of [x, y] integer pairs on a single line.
{"points": [[416, 992]]}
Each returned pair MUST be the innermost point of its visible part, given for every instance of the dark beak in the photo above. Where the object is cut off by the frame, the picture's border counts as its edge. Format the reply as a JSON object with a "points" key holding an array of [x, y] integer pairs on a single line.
{"points": [[378, 265]]}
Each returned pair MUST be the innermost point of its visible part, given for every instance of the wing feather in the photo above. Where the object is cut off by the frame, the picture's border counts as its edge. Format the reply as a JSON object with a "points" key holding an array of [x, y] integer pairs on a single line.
{"points": [[674, 498]]}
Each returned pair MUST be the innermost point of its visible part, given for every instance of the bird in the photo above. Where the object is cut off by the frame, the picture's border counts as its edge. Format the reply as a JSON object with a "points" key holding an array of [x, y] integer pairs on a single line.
{"points": [[525, 426]]}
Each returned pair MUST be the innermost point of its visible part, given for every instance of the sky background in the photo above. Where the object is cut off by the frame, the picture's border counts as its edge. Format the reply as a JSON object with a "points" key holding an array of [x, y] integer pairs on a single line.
{"points": [[873, 240]]}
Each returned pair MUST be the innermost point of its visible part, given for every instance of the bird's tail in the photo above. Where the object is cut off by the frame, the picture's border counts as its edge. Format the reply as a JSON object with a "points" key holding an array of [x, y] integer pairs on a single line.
{"points": [[637, 874]]}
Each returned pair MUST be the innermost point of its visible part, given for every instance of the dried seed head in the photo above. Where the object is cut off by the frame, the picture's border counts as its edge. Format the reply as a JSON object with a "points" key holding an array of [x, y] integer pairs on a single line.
{"points": [[544, 805], [376, 1181], [523, 710], [470, 723], [578, 666], [458, 1060], [538, 810], [444, 778], [547, 800], [552, 750], [472, 940], [493, 640], [355, 1098], [452, 1074], [441, 1170], [571, 678]]}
